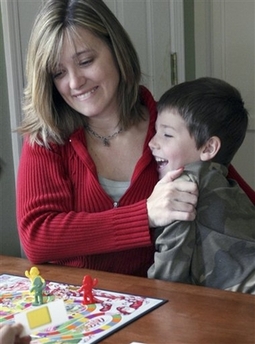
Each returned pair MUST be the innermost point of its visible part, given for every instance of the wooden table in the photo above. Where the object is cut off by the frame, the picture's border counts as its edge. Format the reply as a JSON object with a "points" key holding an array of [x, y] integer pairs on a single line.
{"points": [[193, 314]]}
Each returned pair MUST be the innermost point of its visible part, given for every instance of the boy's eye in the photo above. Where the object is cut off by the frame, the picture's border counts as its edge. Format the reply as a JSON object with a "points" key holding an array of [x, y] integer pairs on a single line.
{"points": [[168, 135]]}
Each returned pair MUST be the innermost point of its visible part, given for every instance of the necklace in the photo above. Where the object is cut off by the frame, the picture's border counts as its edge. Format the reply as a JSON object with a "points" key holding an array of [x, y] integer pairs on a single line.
{"points": [[105, 139]]}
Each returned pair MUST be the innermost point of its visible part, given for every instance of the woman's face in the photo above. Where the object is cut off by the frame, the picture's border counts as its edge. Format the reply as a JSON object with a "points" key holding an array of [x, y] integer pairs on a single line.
{"points": [[87, 76]]}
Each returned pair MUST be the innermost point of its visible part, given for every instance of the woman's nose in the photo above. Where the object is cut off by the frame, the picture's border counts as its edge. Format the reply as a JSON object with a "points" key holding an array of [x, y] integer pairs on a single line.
{"points": [[76, 80]]}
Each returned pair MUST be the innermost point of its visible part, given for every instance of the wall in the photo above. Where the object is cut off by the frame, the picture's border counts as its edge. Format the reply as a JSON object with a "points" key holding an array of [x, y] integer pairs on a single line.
{"points": [[225, 49], [9, 243], [189, 39]]}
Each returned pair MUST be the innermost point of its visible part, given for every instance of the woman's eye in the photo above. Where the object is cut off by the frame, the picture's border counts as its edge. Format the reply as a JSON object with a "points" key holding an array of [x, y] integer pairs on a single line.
{"points": [[85, 62], [57, 75], [168, 135]]}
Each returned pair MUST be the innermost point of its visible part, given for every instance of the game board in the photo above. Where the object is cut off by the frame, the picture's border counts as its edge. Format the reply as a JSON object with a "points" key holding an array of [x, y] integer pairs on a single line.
{"points": [[86, 323]]}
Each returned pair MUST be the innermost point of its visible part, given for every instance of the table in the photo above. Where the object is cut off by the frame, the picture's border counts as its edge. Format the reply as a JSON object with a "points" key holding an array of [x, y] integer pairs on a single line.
{"points": [[193, 314]]}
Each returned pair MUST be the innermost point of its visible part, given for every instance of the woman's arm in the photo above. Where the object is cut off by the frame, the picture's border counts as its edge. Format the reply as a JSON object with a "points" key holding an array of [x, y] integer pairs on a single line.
{"points": [[53, 221]]}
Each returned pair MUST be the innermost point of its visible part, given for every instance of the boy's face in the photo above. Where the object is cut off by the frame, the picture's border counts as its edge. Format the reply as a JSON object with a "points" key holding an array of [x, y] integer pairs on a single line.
{"points": [[172, 146]]}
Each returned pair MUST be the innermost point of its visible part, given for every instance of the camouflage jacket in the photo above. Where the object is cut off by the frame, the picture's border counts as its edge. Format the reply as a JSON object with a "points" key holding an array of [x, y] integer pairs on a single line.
{"points": [[217, 249]]}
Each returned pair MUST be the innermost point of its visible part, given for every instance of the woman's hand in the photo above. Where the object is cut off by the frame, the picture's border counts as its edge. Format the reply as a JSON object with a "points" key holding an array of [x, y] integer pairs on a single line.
{"points": [[172, 200], [10, 334]]}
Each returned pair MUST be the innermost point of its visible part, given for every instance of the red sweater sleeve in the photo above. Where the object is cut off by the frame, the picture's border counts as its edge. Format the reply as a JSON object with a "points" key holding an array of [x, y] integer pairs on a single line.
{"points": [[233, 174]]}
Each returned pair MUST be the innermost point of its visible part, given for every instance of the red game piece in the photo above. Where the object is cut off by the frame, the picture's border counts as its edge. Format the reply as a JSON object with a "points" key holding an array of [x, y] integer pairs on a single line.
{"points": [[87, 287]]}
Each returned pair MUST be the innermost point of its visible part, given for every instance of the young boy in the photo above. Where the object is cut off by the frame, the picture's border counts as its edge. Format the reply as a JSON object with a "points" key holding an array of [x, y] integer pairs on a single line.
{"points": [[200, 126]]}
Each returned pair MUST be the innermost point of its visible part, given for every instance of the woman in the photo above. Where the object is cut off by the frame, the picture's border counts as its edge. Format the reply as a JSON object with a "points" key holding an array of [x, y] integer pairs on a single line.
{"points": [[85, 193]]}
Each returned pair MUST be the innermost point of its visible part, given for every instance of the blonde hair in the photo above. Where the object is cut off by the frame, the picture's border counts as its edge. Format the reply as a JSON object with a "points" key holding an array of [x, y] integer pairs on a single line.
{"points": [[47, 117]]}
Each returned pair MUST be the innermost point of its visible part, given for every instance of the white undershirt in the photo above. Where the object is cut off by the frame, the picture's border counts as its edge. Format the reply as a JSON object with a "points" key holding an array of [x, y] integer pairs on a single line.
{"points": [[114, 188]]}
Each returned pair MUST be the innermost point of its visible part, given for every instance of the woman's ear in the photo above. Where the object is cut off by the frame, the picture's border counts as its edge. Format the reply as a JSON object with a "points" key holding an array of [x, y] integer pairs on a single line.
{"points": [[210, 149]]}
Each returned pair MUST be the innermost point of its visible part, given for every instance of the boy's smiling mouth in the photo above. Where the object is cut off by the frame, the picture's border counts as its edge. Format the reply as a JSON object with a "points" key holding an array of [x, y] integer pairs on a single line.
{"points": [[161, 162]]}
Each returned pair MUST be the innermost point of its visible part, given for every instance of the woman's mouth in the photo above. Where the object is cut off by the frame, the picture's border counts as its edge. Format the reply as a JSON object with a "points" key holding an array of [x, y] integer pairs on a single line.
{"points": [[86, 95]]}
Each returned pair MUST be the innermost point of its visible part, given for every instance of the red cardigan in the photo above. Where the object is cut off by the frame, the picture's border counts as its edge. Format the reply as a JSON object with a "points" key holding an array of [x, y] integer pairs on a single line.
{"points": [[64, 216], [233, 174]]}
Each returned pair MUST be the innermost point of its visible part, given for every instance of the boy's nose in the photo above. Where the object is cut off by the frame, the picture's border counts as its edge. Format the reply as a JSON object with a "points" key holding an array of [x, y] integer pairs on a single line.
{"points": [[153, 143]]}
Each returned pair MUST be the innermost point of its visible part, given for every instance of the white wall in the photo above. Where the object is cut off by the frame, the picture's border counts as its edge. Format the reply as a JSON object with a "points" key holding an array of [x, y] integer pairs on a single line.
{"points": [[225, 48]]}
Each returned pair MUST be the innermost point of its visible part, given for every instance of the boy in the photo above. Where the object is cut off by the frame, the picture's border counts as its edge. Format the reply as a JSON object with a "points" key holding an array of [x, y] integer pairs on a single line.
{"points": [[201, 124]]}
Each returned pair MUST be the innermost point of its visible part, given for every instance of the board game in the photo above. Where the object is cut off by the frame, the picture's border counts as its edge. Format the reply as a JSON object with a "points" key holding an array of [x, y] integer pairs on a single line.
{"points": [[87, 323]]}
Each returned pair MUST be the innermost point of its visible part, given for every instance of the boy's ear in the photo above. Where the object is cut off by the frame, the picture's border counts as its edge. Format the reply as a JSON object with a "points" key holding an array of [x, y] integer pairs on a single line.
{"points": [[210, 149]]}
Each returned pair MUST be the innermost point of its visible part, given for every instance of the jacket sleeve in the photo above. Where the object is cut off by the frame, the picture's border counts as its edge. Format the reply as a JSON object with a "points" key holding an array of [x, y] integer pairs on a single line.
{"points": [[174, 249]]}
